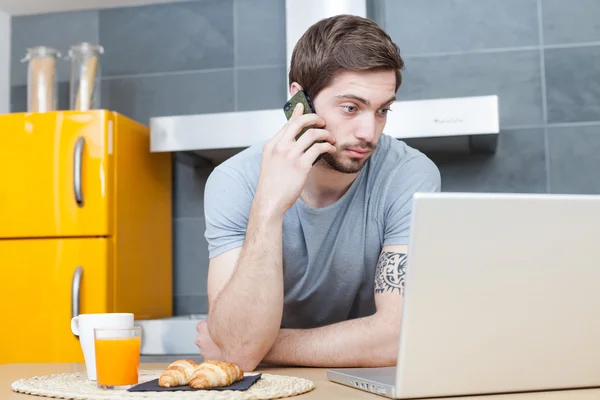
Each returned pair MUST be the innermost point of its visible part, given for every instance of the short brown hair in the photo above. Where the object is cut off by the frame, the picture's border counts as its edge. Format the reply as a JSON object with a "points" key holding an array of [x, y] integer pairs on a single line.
{"points": [[342, 42]]}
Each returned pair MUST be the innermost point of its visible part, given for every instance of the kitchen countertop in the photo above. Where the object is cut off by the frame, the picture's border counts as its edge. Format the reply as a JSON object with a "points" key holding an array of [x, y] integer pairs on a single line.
{"points": [[324, 389]]}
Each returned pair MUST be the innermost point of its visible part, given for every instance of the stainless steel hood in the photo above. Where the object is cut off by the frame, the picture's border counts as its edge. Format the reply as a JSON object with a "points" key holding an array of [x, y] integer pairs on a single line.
{"points": [[219, 135]]}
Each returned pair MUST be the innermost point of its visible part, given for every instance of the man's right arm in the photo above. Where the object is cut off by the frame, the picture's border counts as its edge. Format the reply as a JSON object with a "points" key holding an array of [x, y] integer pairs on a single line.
{"points": [[246, 285], [245, 288]]}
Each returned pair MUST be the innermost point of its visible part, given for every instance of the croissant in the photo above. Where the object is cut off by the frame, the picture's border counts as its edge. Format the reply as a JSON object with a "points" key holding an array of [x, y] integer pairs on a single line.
{"points": [[178, 373], [211, 374]]}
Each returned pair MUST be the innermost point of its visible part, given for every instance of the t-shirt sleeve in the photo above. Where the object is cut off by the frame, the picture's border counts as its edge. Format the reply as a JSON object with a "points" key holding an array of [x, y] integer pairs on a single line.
{"points": [[418, 175], [227, 202]]}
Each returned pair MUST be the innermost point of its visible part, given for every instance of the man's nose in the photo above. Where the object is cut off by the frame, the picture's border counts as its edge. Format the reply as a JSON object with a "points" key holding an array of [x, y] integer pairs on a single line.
{"points": [[367, 130]]}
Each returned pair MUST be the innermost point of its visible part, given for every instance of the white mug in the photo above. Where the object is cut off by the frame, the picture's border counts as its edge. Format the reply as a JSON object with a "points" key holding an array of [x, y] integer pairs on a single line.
{"points": [[83, 326]]}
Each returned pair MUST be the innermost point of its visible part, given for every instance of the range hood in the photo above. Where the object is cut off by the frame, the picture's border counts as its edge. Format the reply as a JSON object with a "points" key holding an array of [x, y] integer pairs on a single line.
{"points": [[215, 137]]}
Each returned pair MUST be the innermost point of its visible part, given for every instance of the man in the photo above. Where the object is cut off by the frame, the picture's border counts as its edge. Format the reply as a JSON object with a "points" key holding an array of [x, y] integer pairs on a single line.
{"points": [[307, 262]]}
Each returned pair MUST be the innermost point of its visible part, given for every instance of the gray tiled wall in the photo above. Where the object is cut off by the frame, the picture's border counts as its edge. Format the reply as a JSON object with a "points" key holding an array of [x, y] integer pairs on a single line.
{"points": [[514, 76], [539, 56]]}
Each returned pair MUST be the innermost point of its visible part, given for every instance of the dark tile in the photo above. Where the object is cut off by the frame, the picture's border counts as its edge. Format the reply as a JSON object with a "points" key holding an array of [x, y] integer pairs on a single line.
{"points": [[185, 305], [260, 89], [260, 32], [58, 30], [571, 21], [18, 97], [514, 76], [190, 256], [146, 97], [519, 166], [376, 11], [188, 190], [432, 26], [573, 84], [574, 160], [444, 144], [167, 37]]}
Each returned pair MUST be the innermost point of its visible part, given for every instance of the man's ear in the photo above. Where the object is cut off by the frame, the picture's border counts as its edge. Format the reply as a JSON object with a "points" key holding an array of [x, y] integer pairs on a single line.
{"points": [[295, 88]]}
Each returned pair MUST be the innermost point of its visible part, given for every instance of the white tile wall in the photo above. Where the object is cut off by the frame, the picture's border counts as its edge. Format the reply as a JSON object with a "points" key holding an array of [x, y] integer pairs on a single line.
{"points": [[4, 62]]}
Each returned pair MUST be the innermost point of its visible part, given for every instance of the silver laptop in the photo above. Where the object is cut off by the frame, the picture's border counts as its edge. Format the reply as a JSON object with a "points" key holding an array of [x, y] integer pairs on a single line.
{"points": [[502, 295]]}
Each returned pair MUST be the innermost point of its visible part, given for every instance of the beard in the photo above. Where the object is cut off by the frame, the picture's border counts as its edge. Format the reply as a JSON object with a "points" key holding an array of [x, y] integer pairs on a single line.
{"points": [[344, 164]]}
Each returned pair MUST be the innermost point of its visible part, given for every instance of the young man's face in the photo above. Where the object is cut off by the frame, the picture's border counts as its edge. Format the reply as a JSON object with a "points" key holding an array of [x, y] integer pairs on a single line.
{"points": [[354, 106]]}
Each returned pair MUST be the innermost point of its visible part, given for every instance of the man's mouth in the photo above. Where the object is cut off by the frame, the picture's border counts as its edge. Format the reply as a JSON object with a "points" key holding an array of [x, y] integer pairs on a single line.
{"points": [[356, 152]]}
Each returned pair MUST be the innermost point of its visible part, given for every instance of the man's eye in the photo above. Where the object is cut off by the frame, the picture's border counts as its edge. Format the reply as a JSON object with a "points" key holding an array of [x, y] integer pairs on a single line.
{"points": [[349, 109], [384, 111]]}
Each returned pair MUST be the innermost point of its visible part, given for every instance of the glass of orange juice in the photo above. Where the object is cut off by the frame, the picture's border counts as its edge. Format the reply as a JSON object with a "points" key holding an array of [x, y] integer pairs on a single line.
{"points": [[117, 357]]}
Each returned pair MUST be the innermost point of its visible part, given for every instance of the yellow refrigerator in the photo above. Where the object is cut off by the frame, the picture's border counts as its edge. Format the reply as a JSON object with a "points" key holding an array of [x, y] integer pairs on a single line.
{"points": [[85, 227]]}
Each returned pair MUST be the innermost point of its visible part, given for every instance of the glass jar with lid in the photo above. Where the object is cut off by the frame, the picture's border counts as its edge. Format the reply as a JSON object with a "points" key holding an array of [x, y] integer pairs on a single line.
{"points": [[42, 82], [84, 93]]}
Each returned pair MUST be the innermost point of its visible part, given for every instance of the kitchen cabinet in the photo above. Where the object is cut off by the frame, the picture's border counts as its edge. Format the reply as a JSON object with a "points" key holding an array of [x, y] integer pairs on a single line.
{"points": [[42, 156], [37, 298], [85, 227]]}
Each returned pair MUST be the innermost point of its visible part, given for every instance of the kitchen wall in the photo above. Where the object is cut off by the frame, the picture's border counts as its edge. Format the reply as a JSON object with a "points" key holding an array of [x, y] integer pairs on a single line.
{"points": [[4, 62], [540, 57], [225, 55]]}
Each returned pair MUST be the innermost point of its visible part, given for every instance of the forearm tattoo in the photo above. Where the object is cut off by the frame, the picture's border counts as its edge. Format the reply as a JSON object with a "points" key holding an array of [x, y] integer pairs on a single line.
{"points": [[390, 273]]}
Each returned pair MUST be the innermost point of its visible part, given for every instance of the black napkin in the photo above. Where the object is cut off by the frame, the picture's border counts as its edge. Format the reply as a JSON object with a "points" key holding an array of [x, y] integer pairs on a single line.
{"points": [[152, 386]]}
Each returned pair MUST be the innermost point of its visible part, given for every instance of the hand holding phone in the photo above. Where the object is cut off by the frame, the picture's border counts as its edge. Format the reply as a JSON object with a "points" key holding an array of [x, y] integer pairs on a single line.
{"points": [[288, 157], [301, 97]]}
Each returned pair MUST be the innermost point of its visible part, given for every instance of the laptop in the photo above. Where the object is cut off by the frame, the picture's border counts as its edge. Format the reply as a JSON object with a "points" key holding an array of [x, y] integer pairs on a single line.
{"points": [[502, 295]]}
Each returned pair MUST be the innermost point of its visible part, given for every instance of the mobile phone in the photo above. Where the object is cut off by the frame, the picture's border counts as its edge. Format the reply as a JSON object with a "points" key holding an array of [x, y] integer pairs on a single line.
{"points": [[301, 97]]}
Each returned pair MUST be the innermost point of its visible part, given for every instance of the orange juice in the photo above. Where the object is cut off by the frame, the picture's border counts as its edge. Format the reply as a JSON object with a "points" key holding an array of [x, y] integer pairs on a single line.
{"points": [[117, 361]]}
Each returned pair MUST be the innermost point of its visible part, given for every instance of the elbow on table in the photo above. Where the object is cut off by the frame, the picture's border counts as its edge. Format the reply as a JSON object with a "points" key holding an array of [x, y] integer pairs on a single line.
{"points": [[386, 349], [389, 356], [246, 359], [246, 351], [247, 354]]}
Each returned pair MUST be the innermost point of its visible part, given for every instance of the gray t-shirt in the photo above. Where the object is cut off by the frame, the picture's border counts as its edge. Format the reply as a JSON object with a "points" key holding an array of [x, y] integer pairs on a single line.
{"points": [[329, 254]]}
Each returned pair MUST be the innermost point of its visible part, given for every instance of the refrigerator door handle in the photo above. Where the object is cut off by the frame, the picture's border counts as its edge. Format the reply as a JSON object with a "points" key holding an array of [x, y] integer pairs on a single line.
{"points": [[75, 291], [77, 168]]}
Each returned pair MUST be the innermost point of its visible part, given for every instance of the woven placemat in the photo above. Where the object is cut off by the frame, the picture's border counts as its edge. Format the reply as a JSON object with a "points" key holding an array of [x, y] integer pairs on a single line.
{"points": [[76, 386]]}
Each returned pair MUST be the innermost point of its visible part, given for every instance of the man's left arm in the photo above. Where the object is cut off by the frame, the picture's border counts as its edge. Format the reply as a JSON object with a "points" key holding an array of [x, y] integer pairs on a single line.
{"points": [[363, 342]]}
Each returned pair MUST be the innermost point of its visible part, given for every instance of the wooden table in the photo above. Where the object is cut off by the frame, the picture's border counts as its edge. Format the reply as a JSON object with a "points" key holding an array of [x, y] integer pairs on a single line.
{"points": [[324, 389]]}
